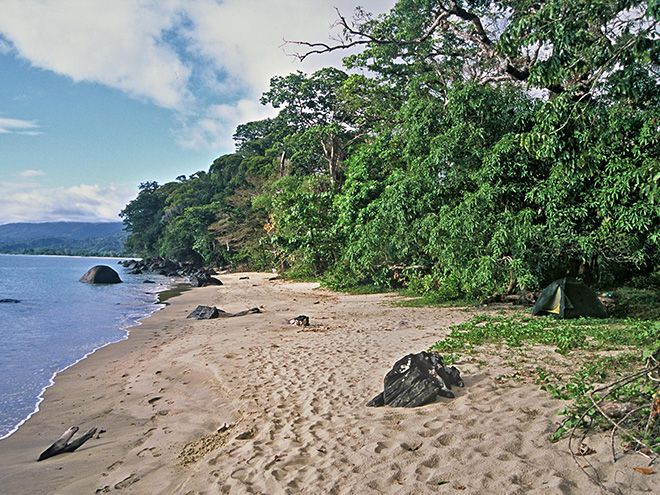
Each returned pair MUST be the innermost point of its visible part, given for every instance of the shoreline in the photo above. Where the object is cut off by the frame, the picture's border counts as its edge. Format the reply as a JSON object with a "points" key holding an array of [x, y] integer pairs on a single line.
{"points": [[51, 381], [160, 302], [254, 405], [171, 289]]}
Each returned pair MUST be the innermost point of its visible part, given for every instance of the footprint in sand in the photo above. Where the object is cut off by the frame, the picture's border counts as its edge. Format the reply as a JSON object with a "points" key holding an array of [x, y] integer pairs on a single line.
{"points": [[423, 473], [126, 482], [148, 450], [434, 424], [412, 446], [443, 440], [381, 446], [514, 446], [432, 462], [477, 435], [239, 474], [504, 456], [114, 465], [278, 475]]}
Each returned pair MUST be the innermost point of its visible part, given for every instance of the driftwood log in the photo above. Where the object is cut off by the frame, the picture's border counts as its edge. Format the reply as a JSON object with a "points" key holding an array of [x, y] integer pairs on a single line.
{"points": [[62, 445]]}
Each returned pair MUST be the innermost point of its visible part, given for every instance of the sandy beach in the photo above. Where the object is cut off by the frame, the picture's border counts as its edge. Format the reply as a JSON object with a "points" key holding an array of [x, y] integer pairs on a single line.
{"points": [[255, 405]]}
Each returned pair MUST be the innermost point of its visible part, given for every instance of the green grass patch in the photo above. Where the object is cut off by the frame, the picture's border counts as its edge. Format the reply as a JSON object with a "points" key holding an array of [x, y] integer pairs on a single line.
{"points": [[414, 300], [362, 289], [602, 351], [566, 335]]}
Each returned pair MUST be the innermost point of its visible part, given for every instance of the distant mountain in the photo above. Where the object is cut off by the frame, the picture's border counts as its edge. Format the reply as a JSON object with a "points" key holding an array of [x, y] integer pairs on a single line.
{"points": [[73, 238]]}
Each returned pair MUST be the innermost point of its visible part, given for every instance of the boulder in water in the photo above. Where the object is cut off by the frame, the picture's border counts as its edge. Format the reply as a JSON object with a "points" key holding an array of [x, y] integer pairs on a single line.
{"points": [[101, 274]]}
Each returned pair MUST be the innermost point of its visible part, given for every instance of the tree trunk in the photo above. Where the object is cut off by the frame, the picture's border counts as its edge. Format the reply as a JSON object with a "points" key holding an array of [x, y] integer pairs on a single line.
{"points": [[283, 161], [333, 155], [513, 282]]}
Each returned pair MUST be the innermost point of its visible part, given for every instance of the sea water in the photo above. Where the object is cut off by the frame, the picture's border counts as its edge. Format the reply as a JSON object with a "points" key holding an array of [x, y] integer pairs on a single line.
{"points": [[58, 322]]}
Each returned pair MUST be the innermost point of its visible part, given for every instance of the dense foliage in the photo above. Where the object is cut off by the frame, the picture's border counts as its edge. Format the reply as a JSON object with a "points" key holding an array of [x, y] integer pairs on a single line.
{"points": [[474, 147]]}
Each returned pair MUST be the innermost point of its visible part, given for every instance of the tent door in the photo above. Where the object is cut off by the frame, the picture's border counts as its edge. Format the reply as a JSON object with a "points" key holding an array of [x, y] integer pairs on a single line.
{"points": [[554, 304]]}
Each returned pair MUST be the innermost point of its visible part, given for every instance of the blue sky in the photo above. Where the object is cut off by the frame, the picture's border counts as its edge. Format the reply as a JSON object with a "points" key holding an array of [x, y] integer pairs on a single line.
{"points": [[97, 97]]}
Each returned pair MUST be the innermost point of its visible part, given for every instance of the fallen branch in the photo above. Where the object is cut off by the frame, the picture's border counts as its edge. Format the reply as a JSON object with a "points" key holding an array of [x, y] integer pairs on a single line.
{"points": [[62, 445], [633, 435]]}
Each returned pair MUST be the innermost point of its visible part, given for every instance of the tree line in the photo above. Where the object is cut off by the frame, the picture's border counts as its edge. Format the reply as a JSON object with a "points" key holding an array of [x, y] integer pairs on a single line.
{"points": [[469, 148]]}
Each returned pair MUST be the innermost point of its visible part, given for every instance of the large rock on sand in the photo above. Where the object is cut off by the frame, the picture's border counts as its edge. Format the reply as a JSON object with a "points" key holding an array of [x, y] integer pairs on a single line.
{"points": [[204, 313], [101, 274], [211, 312], [417, 380], [203, 280]]}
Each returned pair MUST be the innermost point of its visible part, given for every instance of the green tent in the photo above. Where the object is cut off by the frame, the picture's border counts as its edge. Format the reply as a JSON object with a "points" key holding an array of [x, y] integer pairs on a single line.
{"points": [[569, 298]]}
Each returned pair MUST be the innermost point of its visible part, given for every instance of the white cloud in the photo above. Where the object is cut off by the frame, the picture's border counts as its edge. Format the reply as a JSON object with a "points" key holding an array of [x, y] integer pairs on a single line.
{"points": [[29, 202], [245, 37], [116, 43], [215, 128], [5, 48], [245, 40], [10, 126], [196, 58], [32, 173]]}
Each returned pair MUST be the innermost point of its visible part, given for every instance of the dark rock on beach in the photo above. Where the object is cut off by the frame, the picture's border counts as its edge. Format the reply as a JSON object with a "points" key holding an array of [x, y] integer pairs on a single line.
{"points": [[203, 280], [301, 321], [211, 312], [204, 313], [101, 274], [416, 380], [196, 276]]}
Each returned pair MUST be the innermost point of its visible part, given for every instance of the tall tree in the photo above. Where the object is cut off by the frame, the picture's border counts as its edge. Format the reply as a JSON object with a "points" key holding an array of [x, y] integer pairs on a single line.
{"points": [[143, 220], [558, 45], [311, 107]]}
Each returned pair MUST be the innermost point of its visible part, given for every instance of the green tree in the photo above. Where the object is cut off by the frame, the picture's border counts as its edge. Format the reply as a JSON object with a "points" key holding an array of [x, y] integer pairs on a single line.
{"points": [[558, 45], [311, 107], [299, 230], [142, 218], [188, 237]]}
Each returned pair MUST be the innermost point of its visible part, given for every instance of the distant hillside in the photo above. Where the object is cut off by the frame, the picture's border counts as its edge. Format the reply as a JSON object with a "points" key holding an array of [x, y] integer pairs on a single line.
{"points": [[73, 238]]}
